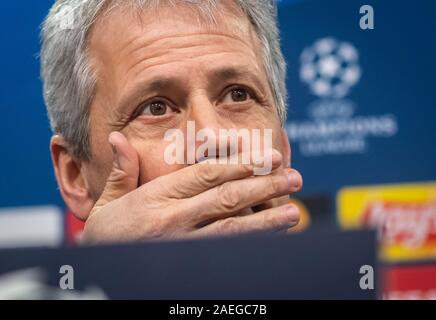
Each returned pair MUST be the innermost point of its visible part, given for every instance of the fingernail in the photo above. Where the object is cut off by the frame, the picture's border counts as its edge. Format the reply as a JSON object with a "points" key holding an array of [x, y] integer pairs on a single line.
{"points": [[115, 155], [293, 179], [292, 213], [259, 160]]}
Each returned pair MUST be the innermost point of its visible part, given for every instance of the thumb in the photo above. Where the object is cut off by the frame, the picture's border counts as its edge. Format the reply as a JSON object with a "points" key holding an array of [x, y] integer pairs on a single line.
{"points": [[125, 170]]}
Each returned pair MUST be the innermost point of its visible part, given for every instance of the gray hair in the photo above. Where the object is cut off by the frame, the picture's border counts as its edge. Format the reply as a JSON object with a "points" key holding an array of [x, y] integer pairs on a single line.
{"points": [[70, 81]]}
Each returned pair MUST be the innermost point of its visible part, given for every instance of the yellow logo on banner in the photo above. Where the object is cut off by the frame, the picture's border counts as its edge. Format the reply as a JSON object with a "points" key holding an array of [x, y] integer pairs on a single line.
{"points": [[403, 215]]}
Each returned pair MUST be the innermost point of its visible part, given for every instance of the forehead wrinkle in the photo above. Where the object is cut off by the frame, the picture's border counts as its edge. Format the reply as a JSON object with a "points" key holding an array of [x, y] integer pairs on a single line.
{"points": [[235, 19], [142, 59], [231, 72], [155, 42], [156, 64], [230, 13], [243, 71], [151, 63]]}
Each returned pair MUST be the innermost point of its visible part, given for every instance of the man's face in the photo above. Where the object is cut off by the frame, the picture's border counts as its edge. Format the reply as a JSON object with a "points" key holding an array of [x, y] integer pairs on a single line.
{"points": [[158, 70]]}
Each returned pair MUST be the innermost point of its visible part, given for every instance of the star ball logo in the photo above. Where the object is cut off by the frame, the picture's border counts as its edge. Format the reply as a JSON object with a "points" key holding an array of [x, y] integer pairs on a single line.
{"points": [[331, 69]]}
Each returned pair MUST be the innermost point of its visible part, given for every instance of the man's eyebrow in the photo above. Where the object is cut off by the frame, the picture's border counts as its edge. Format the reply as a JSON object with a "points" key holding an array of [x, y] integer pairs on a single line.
{"points": [[143, 89], [233, 72]]}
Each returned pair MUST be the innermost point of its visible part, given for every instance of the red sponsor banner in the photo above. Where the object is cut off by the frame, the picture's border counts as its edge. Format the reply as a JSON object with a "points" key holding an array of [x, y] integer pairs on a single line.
{"points": [[410, 282], [403, 215], [410, 224]]}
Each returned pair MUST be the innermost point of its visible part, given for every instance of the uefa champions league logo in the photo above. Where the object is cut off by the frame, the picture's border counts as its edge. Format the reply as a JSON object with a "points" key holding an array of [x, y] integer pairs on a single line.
{"points": [[330, 68]]}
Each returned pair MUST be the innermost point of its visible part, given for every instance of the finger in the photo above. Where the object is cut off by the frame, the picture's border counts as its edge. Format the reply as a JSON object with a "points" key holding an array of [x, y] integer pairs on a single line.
{"points": [[195, 179], [286, 164], [287, 159], [125, 170], [271, 220], [230, 197]]}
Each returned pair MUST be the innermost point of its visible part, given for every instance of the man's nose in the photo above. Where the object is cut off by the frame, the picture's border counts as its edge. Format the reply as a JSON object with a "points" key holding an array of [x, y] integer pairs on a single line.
{"points": [[204, 114], [208, 123]]}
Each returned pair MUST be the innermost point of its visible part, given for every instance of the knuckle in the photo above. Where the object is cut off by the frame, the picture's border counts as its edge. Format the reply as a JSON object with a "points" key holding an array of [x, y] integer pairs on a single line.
{"points": [[117, 175], [246, 169], [228, 199], [273, 185], [229, 226], [207, 174], [156, 227], [270, 220]]}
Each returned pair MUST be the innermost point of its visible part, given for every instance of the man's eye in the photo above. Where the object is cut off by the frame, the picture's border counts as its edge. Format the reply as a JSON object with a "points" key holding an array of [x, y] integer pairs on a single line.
{"points": [[237, 95], [156, 109]]}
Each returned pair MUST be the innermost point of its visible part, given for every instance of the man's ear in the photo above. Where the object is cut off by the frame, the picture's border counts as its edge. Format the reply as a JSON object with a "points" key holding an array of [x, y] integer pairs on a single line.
{"points": [[71, 182], [286, 149]]}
